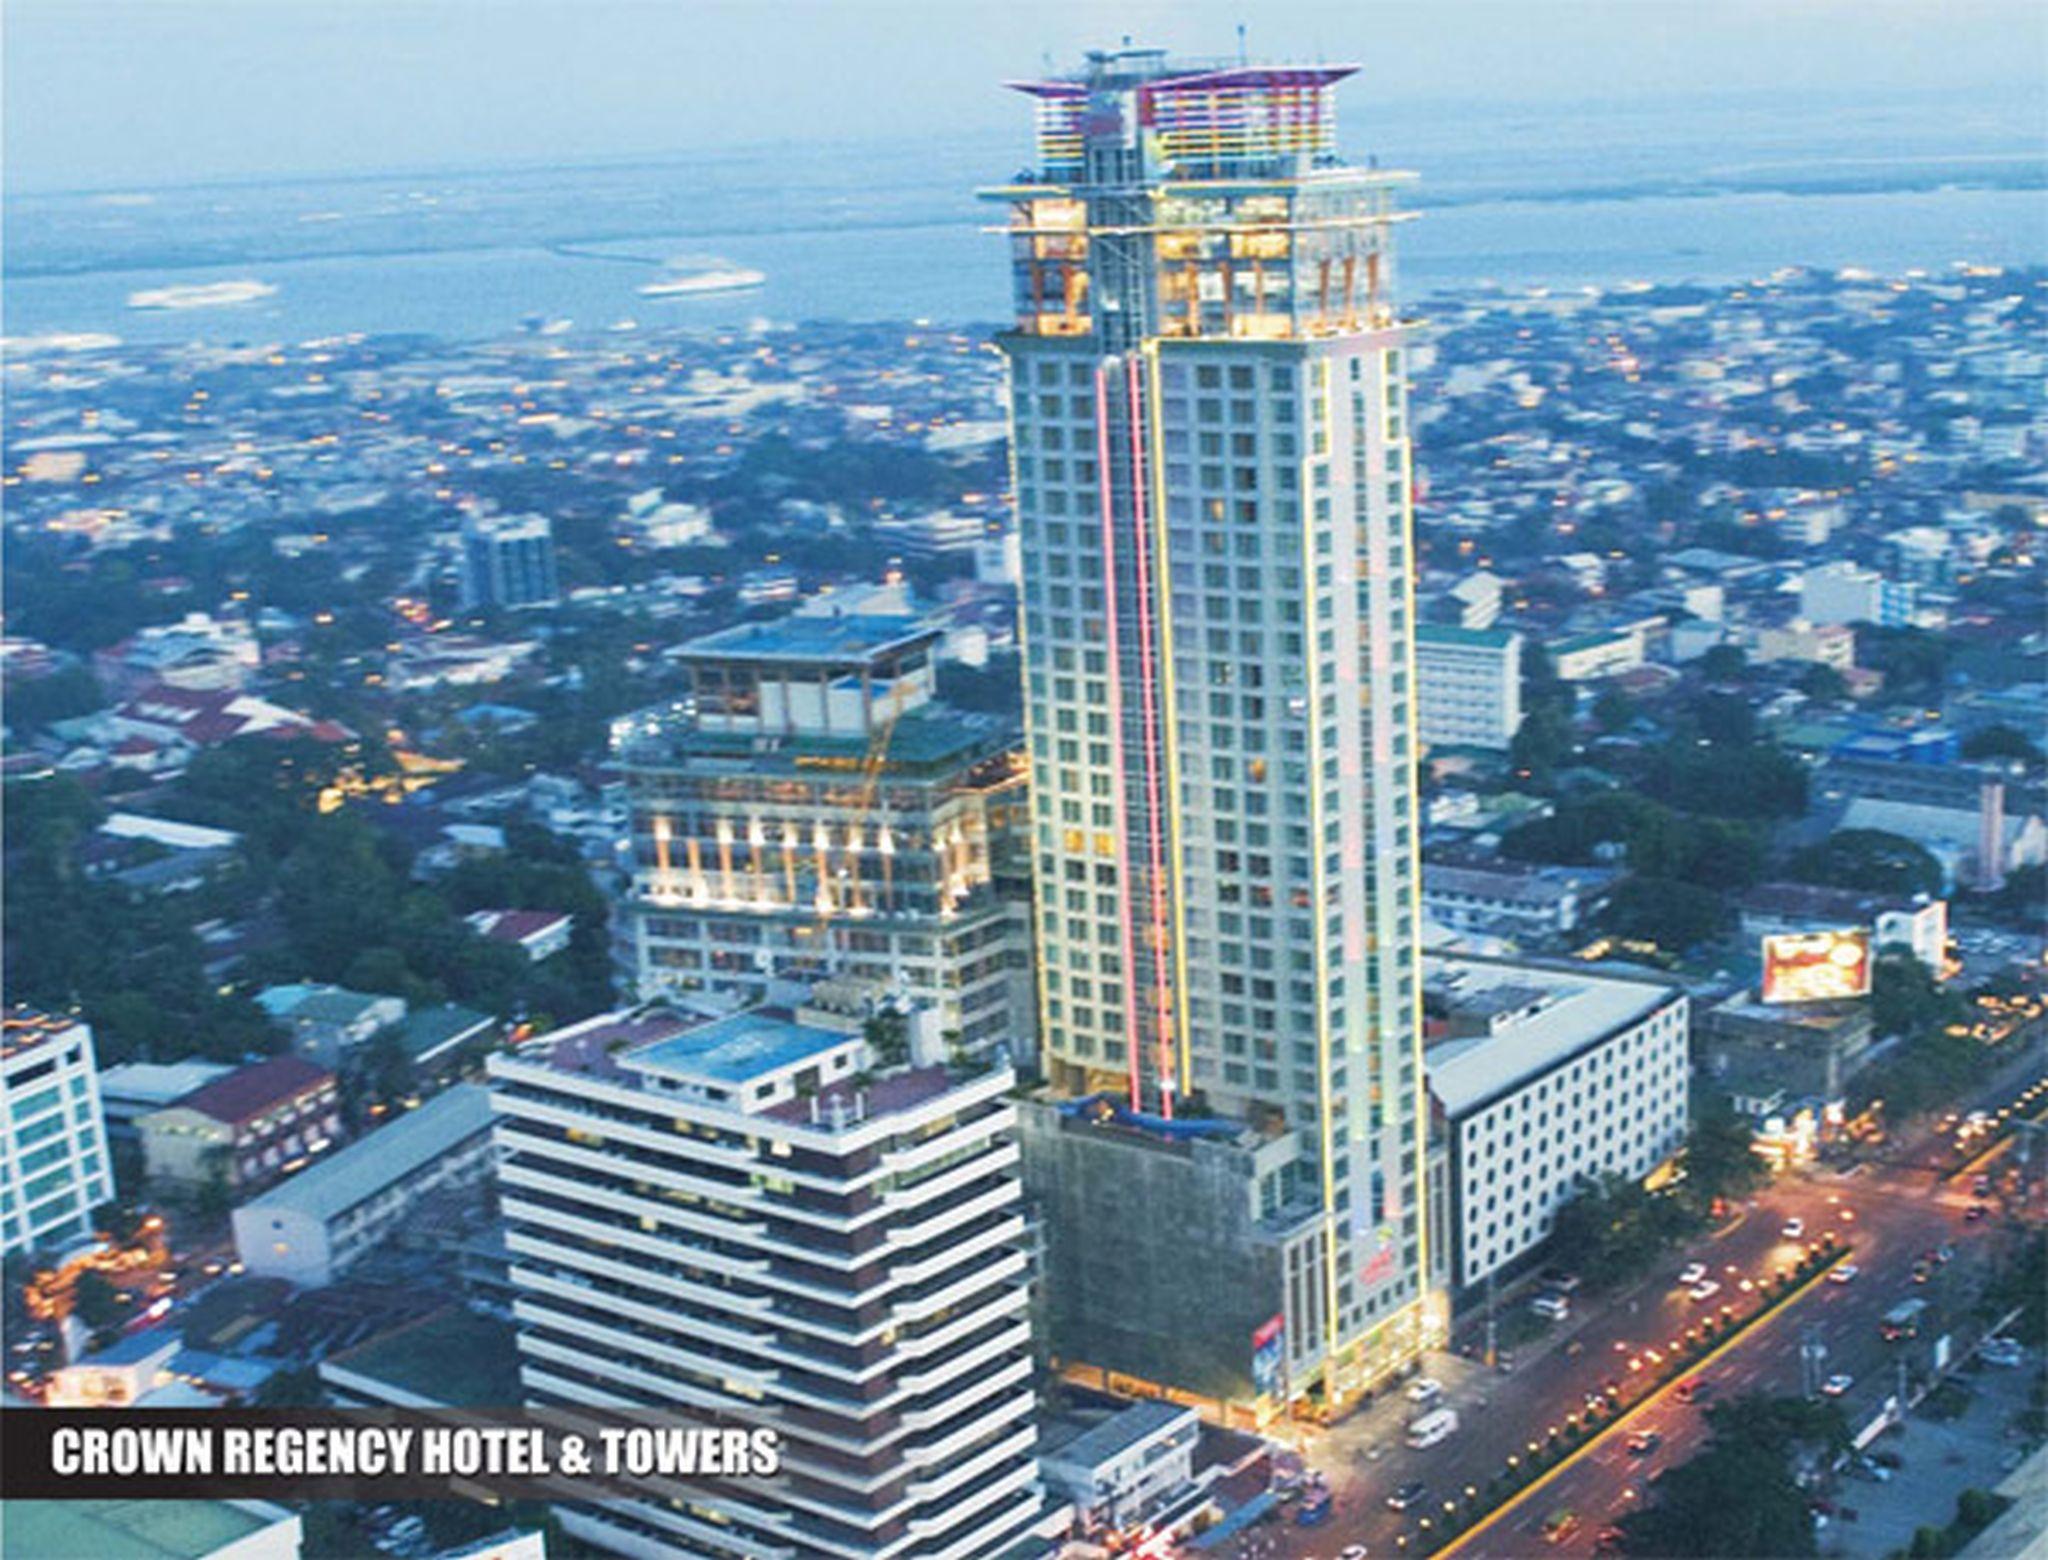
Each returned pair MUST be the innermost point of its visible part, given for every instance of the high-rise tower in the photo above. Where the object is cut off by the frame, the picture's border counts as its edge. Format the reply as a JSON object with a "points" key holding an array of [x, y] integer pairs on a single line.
{"points": [[1212, 480]]}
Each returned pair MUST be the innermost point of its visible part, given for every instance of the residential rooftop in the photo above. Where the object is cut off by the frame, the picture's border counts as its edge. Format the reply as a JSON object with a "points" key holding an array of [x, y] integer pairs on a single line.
{"points": [[734, 1051], [248, 1092], [369, 1165], [812, 637], [456, 1358]]}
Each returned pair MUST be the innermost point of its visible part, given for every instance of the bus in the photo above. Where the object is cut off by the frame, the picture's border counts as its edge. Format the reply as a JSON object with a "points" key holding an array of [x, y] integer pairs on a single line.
{"points": [[1433, 1427], [1902, 1320]]}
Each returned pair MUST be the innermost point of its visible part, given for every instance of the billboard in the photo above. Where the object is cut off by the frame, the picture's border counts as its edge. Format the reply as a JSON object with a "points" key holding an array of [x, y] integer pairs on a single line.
{"points": [[1816, 966], [1269, 1355]]}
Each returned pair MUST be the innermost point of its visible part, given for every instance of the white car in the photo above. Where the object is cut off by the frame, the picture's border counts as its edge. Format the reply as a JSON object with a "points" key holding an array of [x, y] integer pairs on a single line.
{"points": [[1693, 1273], [1795, 1229], [2000, 1351], [1424, 1389], [1705, 1289], [1845, 1274], [1835, 1386], [1352, 1552]]}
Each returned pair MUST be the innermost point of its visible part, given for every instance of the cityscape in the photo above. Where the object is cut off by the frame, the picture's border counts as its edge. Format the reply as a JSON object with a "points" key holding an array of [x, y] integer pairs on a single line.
{"points": [[1253, 910]]}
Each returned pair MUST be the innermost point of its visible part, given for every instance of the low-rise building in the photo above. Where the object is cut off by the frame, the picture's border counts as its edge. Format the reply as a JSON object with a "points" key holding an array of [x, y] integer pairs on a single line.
{"points": [[134, 1089], [1605, 652], [327, 1022], [1819, 644], [1121, 1470], [1547, 1079], [457, 1358], [1759, 1051], [243, 1131], [54, 1169], [116, 1529], [314, 1227], [1521, 904], [539, 934], [1470, 682]]}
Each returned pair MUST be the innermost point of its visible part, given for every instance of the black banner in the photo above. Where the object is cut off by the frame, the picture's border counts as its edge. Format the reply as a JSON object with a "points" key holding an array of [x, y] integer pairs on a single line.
{"points": [[375, 1454]]}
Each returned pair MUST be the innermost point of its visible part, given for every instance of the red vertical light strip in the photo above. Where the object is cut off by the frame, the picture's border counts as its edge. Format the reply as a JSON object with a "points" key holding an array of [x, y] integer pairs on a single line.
{"points": [[1141, 535], [1116, 729]]}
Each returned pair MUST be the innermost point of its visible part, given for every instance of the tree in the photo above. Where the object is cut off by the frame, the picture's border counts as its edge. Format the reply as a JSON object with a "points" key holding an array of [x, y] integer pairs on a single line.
{"points": [[1906, 1000], [1719, 1161], [297, 1387], [1741, 1497], [1541, 743], [1613, 710], [2002, 744], [1727, 779], [1871, 861], [96, 1302], [1724, 663], [1822, 684], [1672, 914]]}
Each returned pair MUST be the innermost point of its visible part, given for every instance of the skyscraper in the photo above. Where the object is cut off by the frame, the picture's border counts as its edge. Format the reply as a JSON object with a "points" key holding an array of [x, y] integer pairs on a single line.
{"points": [[508, 561], [1212, 479]]}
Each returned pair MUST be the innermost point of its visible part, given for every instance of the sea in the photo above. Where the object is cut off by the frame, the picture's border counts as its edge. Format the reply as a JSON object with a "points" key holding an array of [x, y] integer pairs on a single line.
{"points": [[1557, 195]]}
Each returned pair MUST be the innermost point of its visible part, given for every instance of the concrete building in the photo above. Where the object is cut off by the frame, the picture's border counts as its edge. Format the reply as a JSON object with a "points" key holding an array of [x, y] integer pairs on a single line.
{"points": [[315, 1226], [134, 1089], [1527, 904], [54, 1169], [1470, 685], [508, 562], [762, 1223], [242, 1131], [1209, 431], [326, 1022], [457, 1358], [1547, 1078], [809, 811], [1121, 1471], [1831, 644], [1606, 652], [539, 934], [1844, 592], [1131, 1207], [1756, 1052]]}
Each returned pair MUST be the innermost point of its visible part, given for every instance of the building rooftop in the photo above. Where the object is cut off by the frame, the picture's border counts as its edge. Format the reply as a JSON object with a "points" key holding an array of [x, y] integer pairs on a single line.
{"points": [[317, 1004], [25, 1028], [158, 1083], [453, 1357], [733, 1051], [1118, 1433], [427, 1031], [1566, 1011], [367, 1166], [829, 638], [250, 1091], [1452, 634], [133, 1529]]}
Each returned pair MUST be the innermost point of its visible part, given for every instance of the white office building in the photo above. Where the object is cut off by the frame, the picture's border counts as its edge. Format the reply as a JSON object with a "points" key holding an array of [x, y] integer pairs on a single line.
{"points": [[762, 1222], [53, 1141], [1469, 682], [1547, 1078]]}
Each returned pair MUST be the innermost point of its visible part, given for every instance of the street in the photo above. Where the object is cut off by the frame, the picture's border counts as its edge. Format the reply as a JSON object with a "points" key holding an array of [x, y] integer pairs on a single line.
{"points": [[1891, 1213]]}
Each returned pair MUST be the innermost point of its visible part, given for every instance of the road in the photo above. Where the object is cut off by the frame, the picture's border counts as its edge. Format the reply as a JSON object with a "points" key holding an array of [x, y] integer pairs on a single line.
{"points": [[1892, 1213]]}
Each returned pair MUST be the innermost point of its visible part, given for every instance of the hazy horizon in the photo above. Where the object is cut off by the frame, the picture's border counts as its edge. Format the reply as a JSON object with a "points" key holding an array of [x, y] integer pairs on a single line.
{"points": [[111, 94]]}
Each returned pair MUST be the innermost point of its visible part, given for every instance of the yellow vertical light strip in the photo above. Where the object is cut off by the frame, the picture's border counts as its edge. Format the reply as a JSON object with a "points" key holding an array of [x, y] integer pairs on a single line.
{"points": [[1163, 573], [1033, 778], [1390, 385], [1318, 874]]}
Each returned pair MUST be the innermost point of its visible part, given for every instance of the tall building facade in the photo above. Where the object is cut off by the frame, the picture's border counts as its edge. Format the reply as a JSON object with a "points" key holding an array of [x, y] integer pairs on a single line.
{"points": [[1212, 478], [508, 561], [810, 810], [761, 1223], [54, 1169]]}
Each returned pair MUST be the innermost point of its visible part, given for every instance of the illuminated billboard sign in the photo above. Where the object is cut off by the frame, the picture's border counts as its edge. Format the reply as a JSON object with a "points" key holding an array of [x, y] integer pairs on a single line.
{"points": [[1816, 966]]}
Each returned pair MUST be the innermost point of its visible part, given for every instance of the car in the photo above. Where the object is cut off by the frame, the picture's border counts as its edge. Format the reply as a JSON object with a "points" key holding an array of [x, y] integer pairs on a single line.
{"points": [[1559, 1526], [1922, 1272], [2000, 1351], [1705, 1289], [1608, 1541], [1974, 1212], [1644, 1442], [1424, 1389], [1845, 1274], [1692, 1273], [1691, 1391], [1795, 1229], [1836, 1385], [1407, 1495], [1351, 1552]]}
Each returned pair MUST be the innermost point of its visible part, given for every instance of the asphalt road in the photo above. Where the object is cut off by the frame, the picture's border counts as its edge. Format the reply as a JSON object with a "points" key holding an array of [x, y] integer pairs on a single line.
{"points": [[1891, 1213]]}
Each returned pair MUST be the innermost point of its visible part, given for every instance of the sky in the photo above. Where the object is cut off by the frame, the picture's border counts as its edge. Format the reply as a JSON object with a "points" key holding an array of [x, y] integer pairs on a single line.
{"points": [[120, 94]]}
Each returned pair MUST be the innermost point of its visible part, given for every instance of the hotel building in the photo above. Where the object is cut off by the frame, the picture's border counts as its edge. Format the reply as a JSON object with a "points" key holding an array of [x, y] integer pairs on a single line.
{"points": [[760, 1222], [810, 810], [1210, 438]]}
